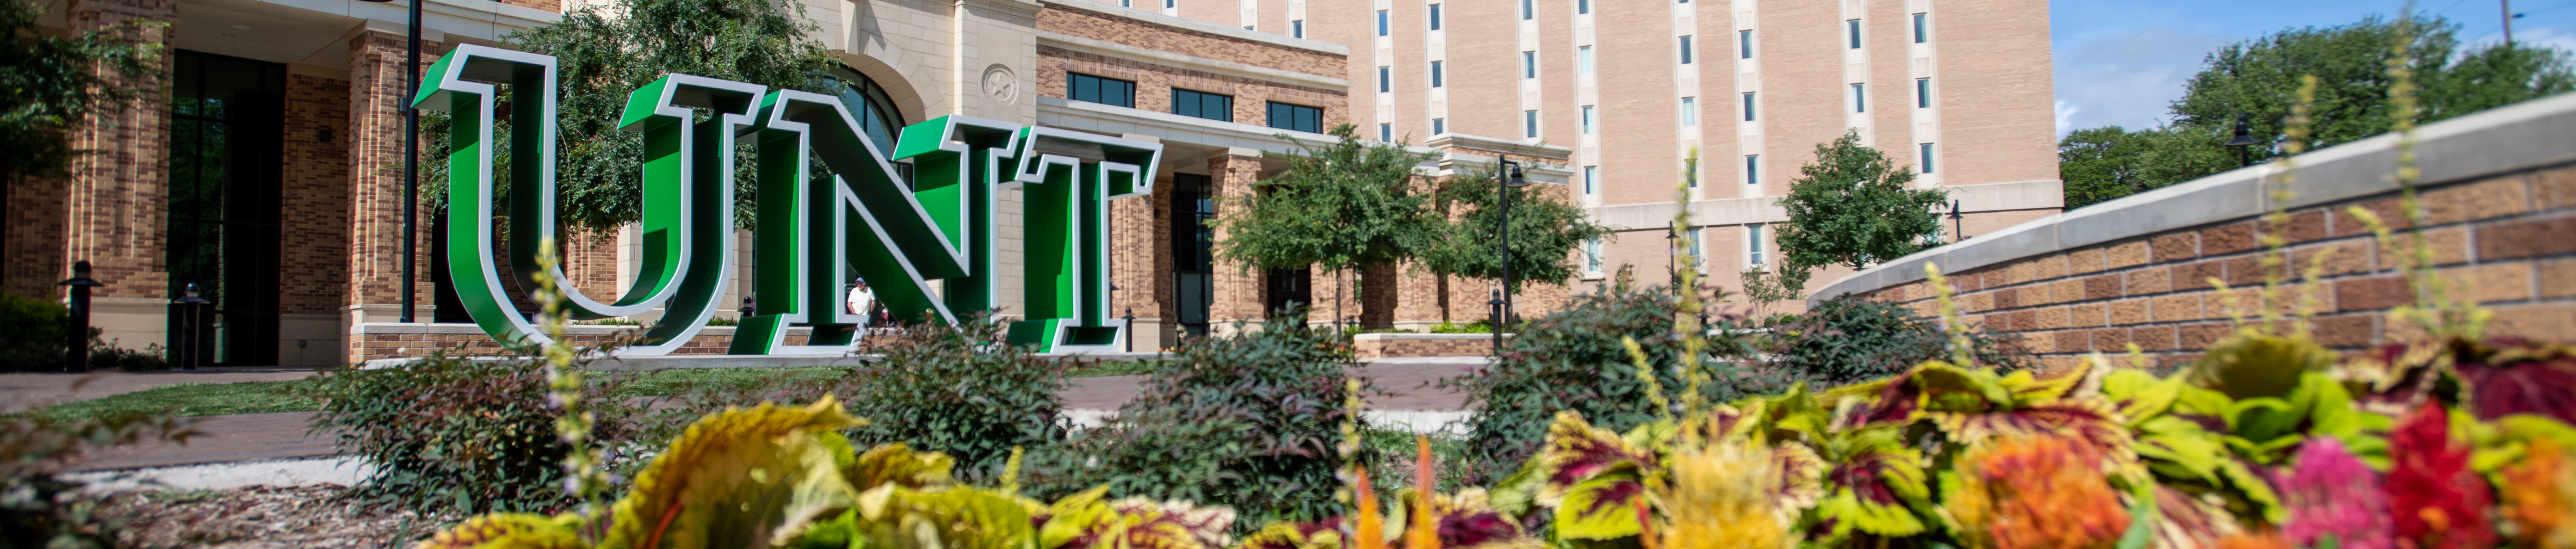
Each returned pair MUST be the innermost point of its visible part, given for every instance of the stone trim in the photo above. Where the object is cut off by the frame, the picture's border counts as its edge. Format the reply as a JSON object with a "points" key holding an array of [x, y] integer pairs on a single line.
{"points": [[1199, 27], [1112, 50], [1990, 197], [2514, 138]]}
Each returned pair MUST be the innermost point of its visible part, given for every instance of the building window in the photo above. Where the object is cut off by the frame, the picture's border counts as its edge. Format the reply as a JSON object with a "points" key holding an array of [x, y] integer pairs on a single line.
{"points": [[1690, 171], [1171, 4], [1591, 179], [1748, 106], [1699, 259], [1583, 60], [1529, 124], [1922, 93], [1435, 17], [1853, 27], [1744, 44], [1753, 245], [1587, 119], [1297, 28], [871, 107], [1202, 104], [1687, 58], [1921, 31], [1592, 256], [1752, 169], [1860, 99], [1690, 111], [1529, 64], [1439, 126], [1386, 132], [1385, 80], [1296, 117], [1529, 10], [1105, 91], [1582, 6], [1126, 3], [1381, 23], [1927, 157], [1436, 80]]}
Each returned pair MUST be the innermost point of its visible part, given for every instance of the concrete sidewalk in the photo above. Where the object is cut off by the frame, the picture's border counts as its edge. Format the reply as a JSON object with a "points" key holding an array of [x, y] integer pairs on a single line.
{"points": [[285, 436]]}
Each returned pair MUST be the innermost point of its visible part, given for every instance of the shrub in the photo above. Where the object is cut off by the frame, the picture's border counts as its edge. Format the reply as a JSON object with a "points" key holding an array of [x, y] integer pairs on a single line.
{"points": [[106, 355], [34, 340], [1250, 421], [38, 508], [451, 433], [957, 390], [1848, 339], [1573, 359]]}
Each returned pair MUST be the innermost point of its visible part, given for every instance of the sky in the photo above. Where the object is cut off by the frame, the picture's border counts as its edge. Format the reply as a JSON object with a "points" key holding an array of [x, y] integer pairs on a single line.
{"points": [[2120, 62]]}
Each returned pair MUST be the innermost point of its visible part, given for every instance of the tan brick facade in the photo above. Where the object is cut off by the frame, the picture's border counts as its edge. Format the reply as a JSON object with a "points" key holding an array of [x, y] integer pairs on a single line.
{"points": [[2502, 241]]}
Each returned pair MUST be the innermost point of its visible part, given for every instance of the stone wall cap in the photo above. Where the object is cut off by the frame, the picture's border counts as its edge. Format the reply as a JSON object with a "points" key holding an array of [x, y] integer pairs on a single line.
{"points": [[1403, 336], [2523, 136]]}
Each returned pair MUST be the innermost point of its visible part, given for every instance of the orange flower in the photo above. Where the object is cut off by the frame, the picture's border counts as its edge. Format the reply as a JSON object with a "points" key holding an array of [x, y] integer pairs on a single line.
{"points": [[2540, 498], [2040, 492], [2259, 540]]}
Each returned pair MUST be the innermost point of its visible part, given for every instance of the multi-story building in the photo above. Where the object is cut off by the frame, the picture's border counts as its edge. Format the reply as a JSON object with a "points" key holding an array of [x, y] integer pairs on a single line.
{"points": [[1723, 100], [265, 163]]}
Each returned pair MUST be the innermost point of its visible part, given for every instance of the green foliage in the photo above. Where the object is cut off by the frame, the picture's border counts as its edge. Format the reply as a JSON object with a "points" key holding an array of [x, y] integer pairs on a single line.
{"points": [[447, 433], [603, 53], [1848, 339], [1573, 359], [1477, 327], [1250, 420], [954, 390], [50, 84], [108, 356], [1764, 287], [1851, 207], [39, 508], [34, 340], [2259, 78], [1347, 204], [190, 399], [1545, 231]]}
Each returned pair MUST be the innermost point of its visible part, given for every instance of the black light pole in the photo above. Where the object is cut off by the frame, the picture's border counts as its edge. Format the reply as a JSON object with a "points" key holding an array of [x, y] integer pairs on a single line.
{"points": [[188, 345], [1672, 268], [2244, 138], [1957, 232], [77, 359], [1508, 176], [1497, 305]]}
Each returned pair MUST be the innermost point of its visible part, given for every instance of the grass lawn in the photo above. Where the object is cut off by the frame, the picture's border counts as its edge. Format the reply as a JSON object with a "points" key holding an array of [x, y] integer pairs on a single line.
{"points": [[260, 397]]}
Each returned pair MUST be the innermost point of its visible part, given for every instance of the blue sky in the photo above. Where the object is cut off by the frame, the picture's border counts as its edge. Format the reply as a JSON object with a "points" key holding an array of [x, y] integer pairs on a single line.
{"points": [[2119, 62]]}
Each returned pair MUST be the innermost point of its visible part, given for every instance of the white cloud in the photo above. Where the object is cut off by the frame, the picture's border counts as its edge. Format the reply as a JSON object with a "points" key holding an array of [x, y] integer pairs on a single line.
{"points": [[2125, 79]]}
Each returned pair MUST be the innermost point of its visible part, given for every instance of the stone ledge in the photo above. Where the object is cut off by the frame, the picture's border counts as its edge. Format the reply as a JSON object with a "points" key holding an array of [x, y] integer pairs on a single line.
{"points": [[2519, 137]]}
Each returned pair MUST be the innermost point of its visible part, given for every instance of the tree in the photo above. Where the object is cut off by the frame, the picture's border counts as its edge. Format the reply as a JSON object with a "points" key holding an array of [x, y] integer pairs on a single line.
{"points": [[1545, 232], [50, 84], [602, 55], [1343, 205], [1850, 207], [2257, 78]]}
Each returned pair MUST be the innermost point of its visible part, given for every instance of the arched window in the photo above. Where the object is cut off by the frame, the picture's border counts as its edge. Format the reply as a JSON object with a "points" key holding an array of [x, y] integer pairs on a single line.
{"points": [[874, 109]]}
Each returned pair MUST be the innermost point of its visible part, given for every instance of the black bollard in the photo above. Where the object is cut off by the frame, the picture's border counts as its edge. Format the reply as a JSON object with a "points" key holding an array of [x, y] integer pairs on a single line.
{"points": [[77, 360], [187, 347]]}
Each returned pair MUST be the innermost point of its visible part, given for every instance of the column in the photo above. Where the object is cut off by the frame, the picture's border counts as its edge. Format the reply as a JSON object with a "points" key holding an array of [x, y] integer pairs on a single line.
{"points": [[377, 84], [1237, 292], [116, 205]]}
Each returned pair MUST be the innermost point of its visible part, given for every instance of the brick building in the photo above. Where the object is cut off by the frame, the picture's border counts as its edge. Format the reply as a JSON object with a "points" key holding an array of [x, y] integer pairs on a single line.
{"points": [[266, 168], [1626, 94]]}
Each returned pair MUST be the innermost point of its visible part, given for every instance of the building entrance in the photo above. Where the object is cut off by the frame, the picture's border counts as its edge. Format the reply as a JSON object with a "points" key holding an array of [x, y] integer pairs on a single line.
{"points": [[226, 143]]}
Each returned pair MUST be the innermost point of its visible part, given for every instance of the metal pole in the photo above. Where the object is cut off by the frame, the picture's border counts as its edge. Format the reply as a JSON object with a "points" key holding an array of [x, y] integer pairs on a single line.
{"points": [[411, 168], [76, 358], [2508, 22], [1503, 189]]}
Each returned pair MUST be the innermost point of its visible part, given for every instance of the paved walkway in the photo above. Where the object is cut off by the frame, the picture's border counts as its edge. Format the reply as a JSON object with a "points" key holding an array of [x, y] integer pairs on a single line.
{"points": [[262, 437]]}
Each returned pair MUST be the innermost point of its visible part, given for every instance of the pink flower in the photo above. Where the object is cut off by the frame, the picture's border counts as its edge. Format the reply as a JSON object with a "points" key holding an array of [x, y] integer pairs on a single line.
{"points": [[2330, 492]]}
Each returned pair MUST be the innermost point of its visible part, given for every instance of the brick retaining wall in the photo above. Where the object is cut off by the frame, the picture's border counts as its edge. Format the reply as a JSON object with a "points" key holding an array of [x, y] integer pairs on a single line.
{"points": [[1391, 345], [2501, 223]]}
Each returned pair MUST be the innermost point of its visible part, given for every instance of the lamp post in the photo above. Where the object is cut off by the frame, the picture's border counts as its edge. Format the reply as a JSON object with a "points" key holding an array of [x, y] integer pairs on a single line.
{"points": [[2244, 138], [1508, 174], [1497, 305], [77, 359], [411, 163], [1956, 230], [1672, 251], [188, 346]]}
